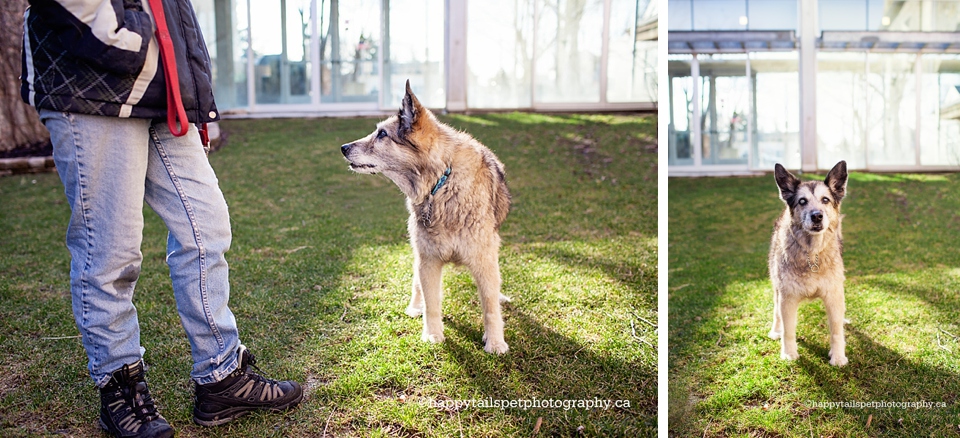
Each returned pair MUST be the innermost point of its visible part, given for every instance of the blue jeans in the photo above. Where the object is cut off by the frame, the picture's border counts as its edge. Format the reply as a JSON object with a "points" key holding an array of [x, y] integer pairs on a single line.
{"points": [[109, 166]]}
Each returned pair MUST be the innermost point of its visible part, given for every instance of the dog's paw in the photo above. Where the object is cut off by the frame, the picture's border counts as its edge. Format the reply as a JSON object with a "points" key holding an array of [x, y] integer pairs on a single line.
{"points": [[789, 355], [504, 299], [774, 334], [413, 312], [499, 347], [434, 338], [846, 321], [838, 361]]}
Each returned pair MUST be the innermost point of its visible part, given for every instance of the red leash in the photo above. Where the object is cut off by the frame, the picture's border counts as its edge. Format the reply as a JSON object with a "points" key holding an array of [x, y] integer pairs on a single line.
{"points": [[176, 115]]}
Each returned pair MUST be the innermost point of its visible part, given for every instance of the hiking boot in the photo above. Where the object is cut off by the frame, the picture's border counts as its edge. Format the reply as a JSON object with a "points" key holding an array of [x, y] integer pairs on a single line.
{"points": [[126, 408], [241, 392]]}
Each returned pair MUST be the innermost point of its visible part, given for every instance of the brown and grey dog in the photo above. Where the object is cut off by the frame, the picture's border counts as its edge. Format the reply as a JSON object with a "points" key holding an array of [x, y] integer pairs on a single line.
{"points": [[805, 257], [457, 197]]}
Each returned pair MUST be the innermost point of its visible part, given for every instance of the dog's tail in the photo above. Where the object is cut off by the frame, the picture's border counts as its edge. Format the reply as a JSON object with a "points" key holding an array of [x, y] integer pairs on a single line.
{"points": [[501, 195]]}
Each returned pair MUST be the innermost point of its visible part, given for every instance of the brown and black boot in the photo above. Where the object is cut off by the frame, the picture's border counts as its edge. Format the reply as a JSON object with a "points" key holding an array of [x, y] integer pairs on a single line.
{"points": [[126, 408], [242, 392]]}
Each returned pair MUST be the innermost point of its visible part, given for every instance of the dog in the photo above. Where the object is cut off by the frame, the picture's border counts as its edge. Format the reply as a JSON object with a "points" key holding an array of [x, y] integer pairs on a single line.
{"points": [[805, 259], [457, 198]]}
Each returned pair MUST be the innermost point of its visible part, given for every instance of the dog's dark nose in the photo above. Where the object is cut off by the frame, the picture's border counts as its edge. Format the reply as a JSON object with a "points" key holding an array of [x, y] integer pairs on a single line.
{"points": [[817, 217], [346, 148]]}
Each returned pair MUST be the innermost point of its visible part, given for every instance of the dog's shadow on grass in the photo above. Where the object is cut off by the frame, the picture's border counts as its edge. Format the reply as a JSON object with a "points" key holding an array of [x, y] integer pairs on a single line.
{"points": [[547, 365], [877, 374]]}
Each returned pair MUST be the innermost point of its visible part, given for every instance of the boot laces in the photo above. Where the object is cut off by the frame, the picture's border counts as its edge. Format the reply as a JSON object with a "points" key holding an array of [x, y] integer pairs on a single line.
{"points": [[133, 390]]}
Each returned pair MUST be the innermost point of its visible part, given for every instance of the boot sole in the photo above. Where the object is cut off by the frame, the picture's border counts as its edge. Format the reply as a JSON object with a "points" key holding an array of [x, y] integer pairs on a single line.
{"points": [[108, 431], [229, 415]]}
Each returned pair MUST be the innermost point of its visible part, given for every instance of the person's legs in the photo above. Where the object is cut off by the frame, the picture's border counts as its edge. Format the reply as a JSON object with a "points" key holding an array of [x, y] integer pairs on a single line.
{"points": [[183, 189], [102, 162]]}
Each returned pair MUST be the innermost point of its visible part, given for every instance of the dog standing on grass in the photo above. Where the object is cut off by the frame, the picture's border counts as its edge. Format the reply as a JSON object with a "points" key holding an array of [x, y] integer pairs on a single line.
{"points": [[805, 257], [457, 197]]}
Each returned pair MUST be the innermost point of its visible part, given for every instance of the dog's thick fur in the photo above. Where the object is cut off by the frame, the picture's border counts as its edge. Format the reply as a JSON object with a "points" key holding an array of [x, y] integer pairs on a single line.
{"points": [[805, 257], [458, 222]]}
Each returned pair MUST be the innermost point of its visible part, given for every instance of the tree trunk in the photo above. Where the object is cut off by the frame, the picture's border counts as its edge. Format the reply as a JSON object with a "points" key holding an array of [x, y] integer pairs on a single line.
{"points": [[20, 127]]}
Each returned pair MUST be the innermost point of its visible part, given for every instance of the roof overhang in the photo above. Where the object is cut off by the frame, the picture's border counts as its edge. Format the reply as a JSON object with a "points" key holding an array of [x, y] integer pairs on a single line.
{"points": [[891, 42], [731, 41], [684, 42]]}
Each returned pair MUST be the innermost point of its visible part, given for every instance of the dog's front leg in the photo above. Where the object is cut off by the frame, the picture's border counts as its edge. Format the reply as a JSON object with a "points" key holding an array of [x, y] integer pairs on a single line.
{"points": [[486, 273], [777, 330], [415, 308], [835, 306], [429, 273], [788, 315]]}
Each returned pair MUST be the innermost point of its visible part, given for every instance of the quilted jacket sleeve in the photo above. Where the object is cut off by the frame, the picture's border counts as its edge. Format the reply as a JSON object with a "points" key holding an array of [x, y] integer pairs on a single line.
{"points": [[110, 34]]}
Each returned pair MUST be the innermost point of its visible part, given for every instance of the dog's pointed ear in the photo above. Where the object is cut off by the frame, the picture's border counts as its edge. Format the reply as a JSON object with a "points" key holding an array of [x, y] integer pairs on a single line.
{"points": [[786, 182], [836, 180], [410, 112]]}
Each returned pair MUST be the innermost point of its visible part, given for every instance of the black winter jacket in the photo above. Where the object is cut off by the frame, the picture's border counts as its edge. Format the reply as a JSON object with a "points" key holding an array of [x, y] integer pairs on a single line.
{"points": [[101, 57]]}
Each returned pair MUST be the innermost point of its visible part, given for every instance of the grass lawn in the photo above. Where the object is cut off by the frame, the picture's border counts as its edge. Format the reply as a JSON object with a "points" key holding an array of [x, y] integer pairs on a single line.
{"points": [[903, 275], [321, 272]]}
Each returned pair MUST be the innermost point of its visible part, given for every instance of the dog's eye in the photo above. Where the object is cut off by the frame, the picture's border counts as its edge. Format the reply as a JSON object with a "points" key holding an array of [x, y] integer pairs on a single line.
{"points": [[826, 200], [381, 134], [802, 201]]}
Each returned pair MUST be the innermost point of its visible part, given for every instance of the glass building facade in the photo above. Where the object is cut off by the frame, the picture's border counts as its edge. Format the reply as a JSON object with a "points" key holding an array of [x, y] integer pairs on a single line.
{"points": [[806, 84], [301, 57]]}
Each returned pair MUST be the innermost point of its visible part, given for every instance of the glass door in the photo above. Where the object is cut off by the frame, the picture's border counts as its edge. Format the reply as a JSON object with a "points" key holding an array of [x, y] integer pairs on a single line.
{"points": [[681, 110], [569, 41], [349, 51], [281, 37], [776, 122], [725, 92], [841, 109]]}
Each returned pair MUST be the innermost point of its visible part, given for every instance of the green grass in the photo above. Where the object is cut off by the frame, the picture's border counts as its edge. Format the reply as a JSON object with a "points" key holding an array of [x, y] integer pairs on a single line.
{"points": [[320, 273], [903, 273]]}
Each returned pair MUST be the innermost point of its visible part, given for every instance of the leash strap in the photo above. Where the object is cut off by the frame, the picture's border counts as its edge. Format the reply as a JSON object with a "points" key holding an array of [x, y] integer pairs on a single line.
{"points": [[176, 115], [204, 135]]}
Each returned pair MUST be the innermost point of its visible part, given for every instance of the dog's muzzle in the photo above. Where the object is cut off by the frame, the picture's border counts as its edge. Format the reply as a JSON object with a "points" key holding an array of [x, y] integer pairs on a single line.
{"points": [[816, 217], [345, 149]]}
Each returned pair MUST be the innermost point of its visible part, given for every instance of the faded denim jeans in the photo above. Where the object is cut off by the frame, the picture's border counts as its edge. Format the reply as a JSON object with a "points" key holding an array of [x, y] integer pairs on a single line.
{"points": [[109, 166]]}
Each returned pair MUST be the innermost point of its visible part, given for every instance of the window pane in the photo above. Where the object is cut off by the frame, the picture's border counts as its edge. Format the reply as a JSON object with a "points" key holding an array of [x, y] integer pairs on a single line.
{"points": [[681, 107], [940, 111], [499, 48], [777, 129], [679, 15], [224, 27], [415, 52], [892, 109], [900, 16], [632, 65], [569, 40], [890, 15], [295, 68], [946, 16], [772, 15], [719, 15], [349, 41], [841, 109], [725, 108], [843, 15], [279, 38]]}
